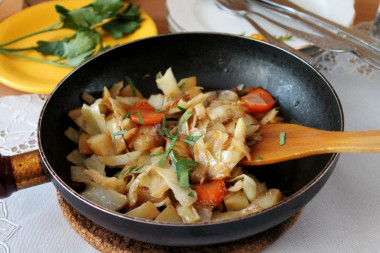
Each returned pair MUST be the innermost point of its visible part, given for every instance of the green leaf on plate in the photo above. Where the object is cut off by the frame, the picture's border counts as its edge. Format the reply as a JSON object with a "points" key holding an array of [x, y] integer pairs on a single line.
{"points": [[107, 8]]}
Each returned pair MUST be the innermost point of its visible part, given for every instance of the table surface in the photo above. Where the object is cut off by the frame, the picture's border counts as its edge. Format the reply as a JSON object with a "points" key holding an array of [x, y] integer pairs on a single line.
{"points": [[343, 217]]}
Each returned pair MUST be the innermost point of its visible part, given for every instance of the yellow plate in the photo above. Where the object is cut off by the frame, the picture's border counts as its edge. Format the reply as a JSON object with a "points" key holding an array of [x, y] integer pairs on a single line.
{"points": [[35, 77]]}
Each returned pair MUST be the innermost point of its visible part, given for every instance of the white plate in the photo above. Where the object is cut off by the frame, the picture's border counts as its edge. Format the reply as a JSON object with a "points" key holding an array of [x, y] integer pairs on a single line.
{"points": [[205, 15]]}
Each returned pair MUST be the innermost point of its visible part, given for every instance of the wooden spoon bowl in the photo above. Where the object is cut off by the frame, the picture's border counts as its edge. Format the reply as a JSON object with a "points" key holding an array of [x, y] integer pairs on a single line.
{"points": [[283, 142]]}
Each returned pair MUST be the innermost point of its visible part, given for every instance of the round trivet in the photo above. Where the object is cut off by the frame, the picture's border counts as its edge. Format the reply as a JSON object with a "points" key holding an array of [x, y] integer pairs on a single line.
{"points": [[109, 242]]}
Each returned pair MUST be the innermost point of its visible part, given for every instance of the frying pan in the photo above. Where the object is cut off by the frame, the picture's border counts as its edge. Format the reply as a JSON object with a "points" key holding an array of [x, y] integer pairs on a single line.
{"points": [[219, 61]]}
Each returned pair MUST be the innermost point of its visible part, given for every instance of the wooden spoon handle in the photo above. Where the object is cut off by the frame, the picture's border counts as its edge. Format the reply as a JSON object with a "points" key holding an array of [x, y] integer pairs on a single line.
{"points": [[19, 172], [303, 141]]}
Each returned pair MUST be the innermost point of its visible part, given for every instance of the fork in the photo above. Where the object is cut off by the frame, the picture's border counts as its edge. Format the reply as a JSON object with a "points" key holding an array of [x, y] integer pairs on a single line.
{"points": [[365, 53], [240, 8]]}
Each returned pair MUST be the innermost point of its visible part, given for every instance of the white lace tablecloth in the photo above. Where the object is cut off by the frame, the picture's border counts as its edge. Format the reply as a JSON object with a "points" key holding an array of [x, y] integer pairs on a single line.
{"points": [[343, 217]]}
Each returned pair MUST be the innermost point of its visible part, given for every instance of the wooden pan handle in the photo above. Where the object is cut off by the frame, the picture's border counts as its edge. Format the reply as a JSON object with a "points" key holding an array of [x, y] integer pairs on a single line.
{"points": [[19, 172]]}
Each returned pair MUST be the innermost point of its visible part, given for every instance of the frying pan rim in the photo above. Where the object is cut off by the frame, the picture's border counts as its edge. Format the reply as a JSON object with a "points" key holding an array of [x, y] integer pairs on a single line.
{"points": [[133, 219]]}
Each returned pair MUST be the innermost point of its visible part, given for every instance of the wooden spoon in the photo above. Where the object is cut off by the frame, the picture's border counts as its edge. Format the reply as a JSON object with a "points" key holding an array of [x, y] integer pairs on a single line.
{"points": [[300, 141]]}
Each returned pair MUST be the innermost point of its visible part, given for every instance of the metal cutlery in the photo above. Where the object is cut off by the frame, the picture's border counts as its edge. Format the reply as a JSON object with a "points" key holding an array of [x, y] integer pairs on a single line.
{"points": [[328, 44], [375, 30], [241, 9], [356, 35], [366, 53]]}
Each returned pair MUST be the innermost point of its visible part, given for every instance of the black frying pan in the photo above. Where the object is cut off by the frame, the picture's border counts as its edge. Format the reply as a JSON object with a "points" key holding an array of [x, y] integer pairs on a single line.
{"points": [[219, 62]]}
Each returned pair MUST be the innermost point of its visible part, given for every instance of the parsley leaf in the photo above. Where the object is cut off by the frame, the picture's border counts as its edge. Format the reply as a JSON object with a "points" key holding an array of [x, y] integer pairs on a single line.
{"points": [[84, 42], [118, 27], [107, 8], [51, 47], [85, 21], [77, 19]]}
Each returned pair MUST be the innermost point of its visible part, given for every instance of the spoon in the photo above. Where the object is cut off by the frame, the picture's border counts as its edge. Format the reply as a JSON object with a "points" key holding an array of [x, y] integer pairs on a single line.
{"points": [[300, 141]]}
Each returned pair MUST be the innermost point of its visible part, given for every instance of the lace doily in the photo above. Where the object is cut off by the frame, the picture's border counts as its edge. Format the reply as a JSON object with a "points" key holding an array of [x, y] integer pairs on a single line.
{"points": [[18, 124], [7, 228], [348, 63]]}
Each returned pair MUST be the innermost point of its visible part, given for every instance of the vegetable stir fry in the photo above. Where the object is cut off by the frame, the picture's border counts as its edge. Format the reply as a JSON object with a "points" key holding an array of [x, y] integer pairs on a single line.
{"points": [[172, 157]]}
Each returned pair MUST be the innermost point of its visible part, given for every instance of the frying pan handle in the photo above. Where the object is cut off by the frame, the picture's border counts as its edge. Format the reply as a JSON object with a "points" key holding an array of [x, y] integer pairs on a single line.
{"points": [[19, 172]]}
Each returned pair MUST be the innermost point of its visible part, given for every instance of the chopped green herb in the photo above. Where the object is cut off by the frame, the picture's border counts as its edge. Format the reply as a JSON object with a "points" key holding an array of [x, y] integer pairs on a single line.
{"points": [[209, 204], [282, 136], [259, 158], [140, 118], [181, 108], [172, 157], [183, 164], [159, 75], [191, 194], [181, 85], [157, 111], [118, 133], [130, 170], [157, 154], [168, 151], [185, 117], [287, 38], [184, 179], [129, 114], [124, 171], [164, 131], [130, 82], [135, 170], [192, 139]]}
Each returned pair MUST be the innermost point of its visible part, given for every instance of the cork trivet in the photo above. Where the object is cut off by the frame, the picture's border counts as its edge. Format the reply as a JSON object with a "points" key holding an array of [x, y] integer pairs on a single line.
{"points": [[109, 242]]}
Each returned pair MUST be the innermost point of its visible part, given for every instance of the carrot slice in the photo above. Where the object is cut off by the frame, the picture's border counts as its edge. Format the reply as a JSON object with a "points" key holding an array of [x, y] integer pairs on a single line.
{"points": [[146, 114], [257, 36], [211, 193], [258, 100]]}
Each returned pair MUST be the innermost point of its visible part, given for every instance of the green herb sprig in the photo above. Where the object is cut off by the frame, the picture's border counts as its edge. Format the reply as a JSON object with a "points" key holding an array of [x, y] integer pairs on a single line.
{"points": [[183, 165], [285, 38], [131, 170], [109, 15]]}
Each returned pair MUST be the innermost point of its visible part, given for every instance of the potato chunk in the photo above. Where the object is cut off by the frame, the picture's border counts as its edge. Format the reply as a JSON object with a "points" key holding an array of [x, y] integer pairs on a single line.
{"points": [[269, 198], [146, 211], [169, 214], [235, 201], [101, 144], [147, 137]]}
